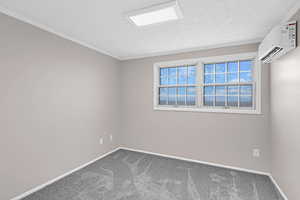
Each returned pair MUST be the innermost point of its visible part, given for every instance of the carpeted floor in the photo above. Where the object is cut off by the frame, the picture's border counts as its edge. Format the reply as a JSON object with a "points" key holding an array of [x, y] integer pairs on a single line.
{"points": [[127, 175]]}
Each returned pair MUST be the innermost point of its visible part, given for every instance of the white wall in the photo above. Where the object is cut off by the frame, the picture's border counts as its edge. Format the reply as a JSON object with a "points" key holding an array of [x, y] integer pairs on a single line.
{"points": [[221, 138], [56, 100], [285, 113]]}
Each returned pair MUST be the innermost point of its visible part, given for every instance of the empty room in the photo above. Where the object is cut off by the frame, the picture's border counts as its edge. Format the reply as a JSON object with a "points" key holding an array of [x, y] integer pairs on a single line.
{"points": [[149, 100]]}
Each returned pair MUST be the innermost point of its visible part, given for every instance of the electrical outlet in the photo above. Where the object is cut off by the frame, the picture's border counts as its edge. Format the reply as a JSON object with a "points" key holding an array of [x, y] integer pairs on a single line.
{"points": [[256, 153], [111, 137], [101, 141]]}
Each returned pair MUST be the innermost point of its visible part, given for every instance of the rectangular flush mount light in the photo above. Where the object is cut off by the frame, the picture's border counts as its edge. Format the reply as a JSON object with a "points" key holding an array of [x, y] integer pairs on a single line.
{"points": [[160, 13]]}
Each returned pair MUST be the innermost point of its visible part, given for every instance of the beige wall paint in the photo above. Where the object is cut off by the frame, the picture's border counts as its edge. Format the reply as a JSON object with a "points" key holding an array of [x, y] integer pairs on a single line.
{"points": [[285, 112], [215, 137], [56, 100]]}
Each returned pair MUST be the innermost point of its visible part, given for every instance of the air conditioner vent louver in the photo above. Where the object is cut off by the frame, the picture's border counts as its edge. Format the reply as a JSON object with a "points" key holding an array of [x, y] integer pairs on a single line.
{"points": [[278, 42], [272, 53]]}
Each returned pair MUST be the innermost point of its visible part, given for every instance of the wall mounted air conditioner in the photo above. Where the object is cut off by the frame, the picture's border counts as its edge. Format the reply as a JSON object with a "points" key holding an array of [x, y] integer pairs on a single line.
{"points": [[279, 41]]}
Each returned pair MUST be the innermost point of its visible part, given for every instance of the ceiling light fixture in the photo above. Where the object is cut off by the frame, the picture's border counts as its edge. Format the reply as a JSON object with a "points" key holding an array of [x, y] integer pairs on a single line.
{"points": [[156, 14]]}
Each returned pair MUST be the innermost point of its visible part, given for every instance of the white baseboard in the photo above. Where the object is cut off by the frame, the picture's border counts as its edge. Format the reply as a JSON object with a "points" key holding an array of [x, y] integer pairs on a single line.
{"points": [[152, 153], [198, 161], [213, 164], [35, 189], [278, 188]]}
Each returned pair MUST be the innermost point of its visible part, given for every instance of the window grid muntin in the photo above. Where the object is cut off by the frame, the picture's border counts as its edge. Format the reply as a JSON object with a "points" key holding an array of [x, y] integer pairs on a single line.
{"points": [[177, 86], [226, 84], [255, 76], [227, 95]]}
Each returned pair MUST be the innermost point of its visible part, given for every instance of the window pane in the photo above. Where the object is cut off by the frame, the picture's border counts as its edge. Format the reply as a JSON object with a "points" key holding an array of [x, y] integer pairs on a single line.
{"points": [[246, 90], [181, 90], [163, 96], [182, 75], [209, 78], [163, 100], [190, 100], [220, 67], [233, 90], [191, 96], [245, 76], [192, 75], [209, 68], [220, 78], [209, 90], [246, 65], [209, 100], [232, 101], [245, 101], [180, 100], [172, 91], [232, 67], [163, 91], [163, 76], [232, 77], [191, 91], [172, 100], [172, 75], [221, 90], [172, 96], [181, 95], [220, 100]]}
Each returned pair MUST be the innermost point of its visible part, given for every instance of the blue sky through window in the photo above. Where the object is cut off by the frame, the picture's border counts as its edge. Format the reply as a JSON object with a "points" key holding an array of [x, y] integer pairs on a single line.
{"points": [[175, 87], [225, 84]]}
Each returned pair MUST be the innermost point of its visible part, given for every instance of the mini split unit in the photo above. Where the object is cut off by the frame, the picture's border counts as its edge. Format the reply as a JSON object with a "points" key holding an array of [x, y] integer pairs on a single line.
{"points": [[279, 41]]}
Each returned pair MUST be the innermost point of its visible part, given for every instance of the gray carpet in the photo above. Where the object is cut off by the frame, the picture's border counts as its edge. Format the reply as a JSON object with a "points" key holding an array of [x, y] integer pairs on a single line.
{"points": [[127, 175]]}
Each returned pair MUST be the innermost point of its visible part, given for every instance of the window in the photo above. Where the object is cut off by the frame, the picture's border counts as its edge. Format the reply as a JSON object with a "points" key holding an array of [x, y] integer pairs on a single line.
{"points": [[215, 84], [177, 86]]}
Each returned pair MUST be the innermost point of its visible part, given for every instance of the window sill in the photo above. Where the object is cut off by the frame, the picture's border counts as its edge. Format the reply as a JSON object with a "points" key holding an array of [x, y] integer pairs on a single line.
{"points": [[208, 110]]}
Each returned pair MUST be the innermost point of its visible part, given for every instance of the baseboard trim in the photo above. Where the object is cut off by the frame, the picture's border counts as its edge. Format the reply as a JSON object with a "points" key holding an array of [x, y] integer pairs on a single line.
{"points": [[35, 189], [198, 161], [213, 164], [278, 188]]}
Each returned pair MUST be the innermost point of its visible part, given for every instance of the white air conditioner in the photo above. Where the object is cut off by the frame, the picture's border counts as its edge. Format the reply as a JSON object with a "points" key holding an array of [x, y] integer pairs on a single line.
{"points": [[279, 41]]}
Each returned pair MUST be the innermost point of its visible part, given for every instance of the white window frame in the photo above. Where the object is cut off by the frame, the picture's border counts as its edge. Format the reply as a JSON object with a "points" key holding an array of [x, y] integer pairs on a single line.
{"points": [[199, 63]]}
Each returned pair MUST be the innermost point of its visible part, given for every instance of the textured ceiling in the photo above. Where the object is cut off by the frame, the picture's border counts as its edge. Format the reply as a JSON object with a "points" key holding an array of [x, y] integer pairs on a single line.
{"points": [[102, 25]]}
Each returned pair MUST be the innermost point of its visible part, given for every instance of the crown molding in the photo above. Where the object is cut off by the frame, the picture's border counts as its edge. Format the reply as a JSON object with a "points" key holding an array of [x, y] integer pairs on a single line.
{"points": [[189, 50], [22, 18]]}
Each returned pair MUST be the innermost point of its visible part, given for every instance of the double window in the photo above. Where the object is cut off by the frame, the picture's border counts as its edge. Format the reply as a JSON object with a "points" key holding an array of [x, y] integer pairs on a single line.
{"points": [[216, 84]]}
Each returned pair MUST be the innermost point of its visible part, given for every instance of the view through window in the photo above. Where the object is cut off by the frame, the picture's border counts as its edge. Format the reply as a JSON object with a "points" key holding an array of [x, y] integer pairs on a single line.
{"points": [[222, 85]]}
